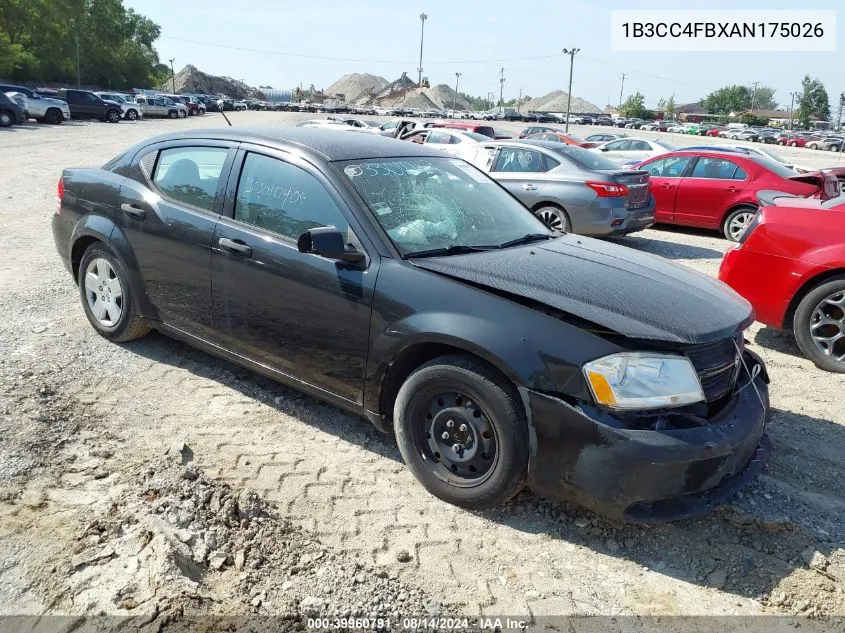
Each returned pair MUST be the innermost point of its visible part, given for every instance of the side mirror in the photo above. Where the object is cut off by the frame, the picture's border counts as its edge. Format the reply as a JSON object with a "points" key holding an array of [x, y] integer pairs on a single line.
{"points": [[602, 149], [328, 242]]}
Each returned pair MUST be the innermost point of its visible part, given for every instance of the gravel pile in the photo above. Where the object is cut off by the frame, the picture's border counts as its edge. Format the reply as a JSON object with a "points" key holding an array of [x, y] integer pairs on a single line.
{"points": [[356, 85], [555, 101]]}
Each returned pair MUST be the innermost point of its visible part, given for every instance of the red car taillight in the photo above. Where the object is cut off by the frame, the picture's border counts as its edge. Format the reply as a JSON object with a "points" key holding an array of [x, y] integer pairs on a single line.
{"points": [[60, 193], [608, 189]]}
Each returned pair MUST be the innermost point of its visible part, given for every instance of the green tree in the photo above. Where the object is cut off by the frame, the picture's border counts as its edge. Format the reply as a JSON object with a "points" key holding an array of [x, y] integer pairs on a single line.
{"points": [[728, 99], [763, 98], [813, 103], [39, 40], [634, 106]]}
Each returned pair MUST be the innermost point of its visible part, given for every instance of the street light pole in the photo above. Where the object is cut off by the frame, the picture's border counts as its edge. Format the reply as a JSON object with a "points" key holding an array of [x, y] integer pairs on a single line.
{"points": [[621, 88], [455, 101], [519, 101], [423, 18], [791, 106], [172, 76], [571, 52], [501, 88]]}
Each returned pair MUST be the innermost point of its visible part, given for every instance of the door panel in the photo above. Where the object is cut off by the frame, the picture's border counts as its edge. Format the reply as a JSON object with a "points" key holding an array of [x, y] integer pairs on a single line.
{"points": [[709, 191], [171, 236], [666, 176], [300, 314], [520, 171]]}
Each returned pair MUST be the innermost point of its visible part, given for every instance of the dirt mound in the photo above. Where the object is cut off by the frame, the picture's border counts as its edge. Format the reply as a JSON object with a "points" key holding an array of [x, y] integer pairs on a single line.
{"points": [[356, 86], [177, 545], [555, 101], [446, 98], [190, 79]]}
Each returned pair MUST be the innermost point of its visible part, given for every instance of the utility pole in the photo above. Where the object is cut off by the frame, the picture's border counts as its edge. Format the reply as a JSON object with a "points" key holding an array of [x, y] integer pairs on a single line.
{"points": [[78, 71], [791, 106], [423, 18], [172, 76], [754, 93], [571, 52], [519, 100], [455, 104], [501, 88], [620, 90]]}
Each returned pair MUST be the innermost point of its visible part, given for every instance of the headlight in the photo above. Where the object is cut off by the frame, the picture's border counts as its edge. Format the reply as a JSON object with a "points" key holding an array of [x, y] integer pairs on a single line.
{"points": [[641, 380]]}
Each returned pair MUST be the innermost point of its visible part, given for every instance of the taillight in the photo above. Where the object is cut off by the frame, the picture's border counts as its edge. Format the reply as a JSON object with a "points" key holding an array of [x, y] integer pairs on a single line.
{"points": [[608, 189], [60, 193]]}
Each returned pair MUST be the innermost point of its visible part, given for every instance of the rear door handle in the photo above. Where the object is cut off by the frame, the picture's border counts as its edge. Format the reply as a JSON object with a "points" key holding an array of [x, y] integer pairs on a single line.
{"points": [[132, 210], [235, 246], [668, 185], [529, 187], [733, 189]]}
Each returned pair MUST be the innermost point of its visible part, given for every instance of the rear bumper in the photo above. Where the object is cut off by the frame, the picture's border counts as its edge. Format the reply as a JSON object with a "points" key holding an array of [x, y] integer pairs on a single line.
{"points": [[609, 217], [644, 476]]}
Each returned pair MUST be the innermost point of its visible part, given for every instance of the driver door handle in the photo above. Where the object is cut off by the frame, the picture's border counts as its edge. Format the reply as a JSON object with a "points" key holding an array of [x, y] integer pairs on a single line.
{"points": [[132, 210], [235, 246], [529, 187], [668, 185]]}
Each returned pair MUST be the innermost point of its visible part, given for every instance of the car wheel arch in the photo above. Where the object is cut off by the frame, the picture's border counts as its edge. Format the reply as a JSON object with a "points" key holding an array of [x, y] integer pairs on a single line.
{"points": [[402, 364], [807, 286], [735, 207]]}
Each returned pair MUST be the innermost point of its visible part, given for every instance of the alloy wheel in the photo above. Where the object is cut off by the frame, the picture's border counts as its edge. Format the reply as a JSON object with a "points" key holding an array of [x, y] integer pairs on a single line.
{"points": [[554, 219], [738, 224], [827, 326], [103, 292]]}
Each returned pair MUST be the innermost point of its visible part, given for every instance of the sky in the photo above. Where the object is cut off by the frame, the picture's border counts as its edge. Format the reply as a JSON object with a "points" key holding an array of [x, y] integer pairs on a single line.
{"points": [[283, 43]]}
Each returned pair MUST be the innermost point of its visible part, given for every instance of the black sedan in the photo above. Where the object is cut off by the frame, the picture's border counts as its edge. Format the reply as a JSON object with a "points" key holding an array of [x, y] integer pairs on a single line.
{"points": [[408, 287]]}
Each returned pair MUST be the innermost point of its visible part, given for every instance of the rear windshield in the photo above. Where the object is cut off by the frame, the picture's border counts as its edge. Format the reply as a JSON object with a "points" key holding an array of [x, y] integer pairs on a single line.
{"points": [[583, 157], [781, 170]]}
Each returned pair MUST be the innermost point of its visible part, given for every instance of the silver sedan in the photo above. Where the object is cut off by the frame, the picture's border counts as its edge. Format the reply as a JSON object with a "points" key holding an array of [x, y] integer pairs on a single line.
{"points": [[569, 188]]}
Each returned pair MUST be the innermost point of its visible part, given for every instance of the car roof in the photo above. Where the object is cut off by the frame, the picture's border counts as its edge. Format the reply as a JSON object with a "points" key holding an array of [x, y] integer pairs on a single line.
{"points": [[321, 144]]}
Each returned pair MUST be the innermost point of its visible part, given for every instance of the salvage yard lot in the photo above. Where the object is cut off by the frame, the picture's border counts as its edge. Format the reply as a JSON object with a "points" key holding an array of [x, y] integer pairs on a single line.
{"points": [[80, 416]]}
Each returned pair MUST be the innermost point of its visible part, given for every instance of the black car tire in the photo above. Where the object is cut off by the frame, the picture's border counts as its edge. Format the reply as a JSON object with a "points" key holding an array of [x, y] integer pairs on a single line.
{"points": [[173, 114], [130, 325], [726, 225], [53, 116], [113, 116], [132, 114], [803, 319], [6, 118], [547, 210], [491, 393]]}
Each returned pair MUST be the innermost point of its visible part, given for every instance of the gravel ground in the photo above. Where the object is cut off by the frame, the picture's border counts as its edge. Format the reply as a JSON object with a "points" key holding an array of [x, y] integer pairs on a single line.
{"points": [[279, 504]]}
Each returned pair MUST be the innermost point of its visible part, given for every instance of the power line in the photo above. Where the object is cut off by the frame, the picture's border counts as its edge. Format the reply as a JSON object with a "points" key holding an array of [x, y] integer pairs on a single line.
{"points": [[352, 59]]}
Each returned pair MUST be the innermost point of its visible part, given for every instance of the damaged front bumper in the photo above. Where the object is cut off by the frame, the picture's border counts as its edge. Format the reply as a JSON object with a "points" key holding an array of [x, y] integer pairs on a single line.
{"points": [[647, 476]]}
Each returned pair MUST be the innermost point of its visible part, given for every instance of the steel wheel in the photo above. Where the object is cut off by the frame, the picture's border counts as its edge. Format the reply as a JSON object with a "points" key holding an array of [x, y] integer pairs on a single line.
{"points": [[827, 326], [5, 119], [457, 436], [103, 292], [554, 218]]}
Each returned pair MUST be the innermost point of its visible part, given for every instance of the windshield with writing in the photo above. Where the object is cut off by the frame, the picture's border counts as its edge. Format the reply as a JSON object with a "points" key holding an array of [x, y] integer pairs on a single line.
{"points": [[439, 203]]}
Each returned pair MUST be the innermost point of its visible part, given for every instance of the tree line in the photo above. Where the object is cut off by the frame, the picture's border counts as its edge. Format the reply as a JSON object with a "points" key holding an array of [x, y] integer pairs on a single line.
{"points": [[41, 41]]}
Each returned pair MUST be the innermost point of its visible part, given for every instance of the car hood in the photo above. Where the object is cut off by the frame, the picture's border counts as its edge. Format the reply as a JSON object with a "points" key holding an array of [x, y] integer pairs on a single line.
{"points": [[635, 294], [54, 102]]}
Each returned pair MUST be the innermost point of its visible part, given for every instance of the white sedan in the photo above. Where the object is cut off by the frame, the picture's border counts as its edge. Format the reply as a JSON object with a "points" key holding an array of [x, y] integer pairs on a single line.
{"points": [[773, 156], [626, 150], [455, 142]]}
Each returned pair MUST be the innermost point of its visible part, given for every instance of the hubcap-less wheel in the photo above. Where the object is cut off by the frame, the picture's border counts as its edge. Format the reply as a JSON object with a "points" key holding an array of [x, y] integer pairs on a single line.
{"points": [[103, 292], [738, 224], [458, 438], [553, 218], [5, 119], [827, 326]]}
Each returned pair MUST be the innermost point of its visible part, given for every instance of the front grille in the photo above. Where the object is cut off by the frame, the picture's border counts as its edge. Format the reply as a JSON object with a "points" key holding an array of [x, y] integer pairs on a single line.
{"points": [[717, 366]]}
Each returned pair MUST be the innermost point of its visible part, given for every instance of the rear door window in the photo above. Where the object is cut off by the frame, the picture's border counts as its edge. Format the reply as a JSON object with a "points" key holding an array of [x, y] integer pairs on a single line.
{"points": [[190, 174], [512, 159], [714, 168]]}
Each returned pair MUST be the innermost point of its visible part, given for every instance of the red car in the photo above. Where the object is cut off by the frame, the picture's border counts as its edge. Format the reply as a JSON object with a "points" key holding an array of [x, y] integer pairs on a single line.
{"points": [[561, 137], [718, 189], [714, 131], [790, 264]]}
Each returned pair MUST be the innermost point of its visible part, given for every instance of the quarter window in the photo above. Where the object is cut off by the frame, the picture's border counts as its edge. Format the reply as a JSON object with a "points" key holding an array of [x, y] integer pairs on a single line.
{"points": [[619, 146], [190, 174], [285, 199]]}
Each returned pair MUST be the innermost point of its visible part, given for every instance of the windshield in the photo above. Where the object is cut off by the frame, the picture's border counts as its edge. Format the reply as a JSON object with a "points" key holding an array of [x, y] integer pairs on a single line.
{"points": [[584, 158], [434, 203], [770, 154]]}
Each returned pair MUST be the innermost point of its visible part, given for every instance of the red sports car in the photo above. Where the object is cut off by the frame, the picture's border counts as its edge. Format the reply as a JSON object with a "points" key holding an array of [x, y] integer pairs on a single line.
{"points": [[790, 264], [718, 189]]}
